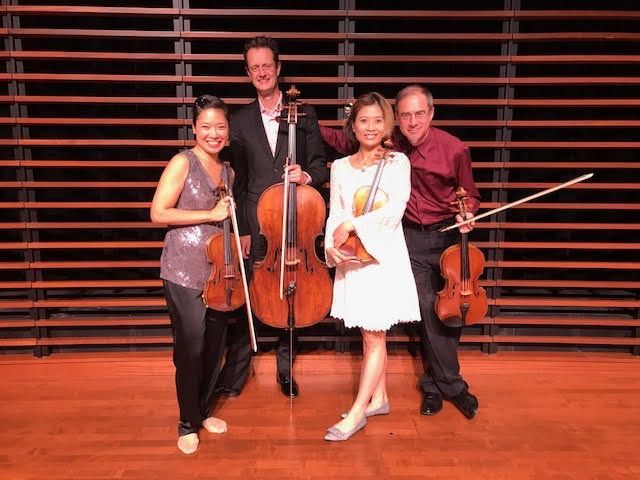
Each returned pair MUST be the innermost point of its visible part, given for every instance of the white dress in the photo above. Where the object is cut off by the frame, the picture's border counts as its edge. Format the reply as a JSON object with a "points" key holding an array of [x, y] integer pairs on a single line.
{"points": [[381, 293]]}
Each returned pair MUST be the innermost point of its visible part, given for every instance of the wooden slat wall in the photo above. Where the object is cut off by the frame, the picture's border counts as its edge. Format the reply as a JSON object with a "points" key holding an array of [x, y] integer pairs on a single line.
{"points": [[95, 99]]}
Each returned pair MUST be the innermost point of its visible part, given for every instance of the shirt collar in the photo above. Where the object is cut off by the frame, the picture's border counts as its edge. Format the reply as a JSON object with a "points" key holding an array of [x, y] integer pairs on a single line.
{"points": [[424, 146], [275, 111]]}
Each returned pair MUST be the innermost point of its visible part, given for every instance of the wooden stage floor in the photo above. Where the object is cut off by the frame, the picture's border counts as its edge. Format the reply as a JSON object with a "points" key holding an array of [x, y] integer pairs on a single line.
{"points": [[542, 416]]}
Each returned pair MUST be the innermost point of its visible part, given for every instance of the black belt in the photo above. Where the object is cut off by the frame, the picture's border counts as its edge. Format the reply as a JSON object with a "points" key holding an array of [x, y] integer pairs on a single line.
{"points": [[406, 223]]}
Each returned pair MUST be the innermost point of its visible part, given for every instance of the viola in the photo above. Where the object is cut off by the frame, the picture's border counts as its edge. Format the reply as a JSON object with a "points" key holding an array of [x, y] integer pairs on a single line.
{"points": [[291, 287], [462, 301], [365, 200]]}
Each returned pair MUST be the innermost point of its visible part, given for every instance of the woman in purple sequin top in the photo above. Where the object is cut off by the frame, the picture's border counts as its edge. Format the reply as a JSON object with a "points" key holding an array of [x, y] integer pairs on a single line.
{"points": [[187, 200]]}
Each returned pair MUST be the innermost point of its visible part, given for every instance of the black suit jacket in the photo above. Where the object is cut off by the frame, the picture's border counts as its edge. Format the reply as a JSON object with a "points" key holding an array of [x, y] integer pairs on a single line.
{"points": [[257, 168]]}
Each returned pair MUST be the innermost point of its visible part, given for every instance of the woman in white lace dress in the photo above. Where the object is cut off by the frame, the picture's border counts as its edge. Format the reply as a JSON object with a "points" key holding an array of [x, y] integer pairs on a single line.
{"points": [[378, 294]]}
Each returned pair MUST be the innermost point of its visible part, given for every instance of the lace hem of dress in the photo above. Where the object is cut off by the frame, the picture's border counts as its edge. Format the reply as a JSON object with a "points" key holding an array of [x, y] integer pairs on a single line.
{"points": [[376, 325]]}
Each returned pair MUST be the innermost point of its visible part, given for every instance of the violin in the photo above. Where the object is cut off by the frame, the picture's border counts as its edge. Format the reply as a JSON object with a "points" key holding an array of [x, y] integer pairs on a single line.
{"points": [[226, 288], [223, 290], [462, 301], [291, 286], [365, 200]]}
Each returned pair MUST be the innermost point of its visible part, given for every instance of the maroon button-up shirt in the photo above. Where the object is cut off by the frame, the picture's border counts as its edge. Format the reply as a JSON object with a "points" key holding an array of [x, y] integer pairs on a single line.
{"points": [[439, 165]]}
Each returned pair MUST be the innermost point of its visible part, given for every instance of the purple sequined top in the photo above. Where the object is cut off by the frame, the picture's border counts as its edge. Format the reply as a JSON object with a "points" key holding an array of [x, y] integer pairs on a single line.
{"points": [[184, 260]]}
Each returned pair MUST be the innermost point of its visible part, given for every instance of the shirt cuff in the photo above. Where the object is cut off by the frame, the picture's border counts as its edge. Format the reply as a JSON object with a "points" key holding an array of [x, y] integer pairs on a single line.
{"points": [[308, 180]]}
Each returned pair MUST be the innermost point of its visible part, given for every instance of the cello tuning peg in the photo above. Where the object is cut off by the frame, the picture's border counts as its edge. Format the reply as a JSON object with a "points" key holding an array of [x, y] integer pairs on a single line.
{"points": [[293, 92]]}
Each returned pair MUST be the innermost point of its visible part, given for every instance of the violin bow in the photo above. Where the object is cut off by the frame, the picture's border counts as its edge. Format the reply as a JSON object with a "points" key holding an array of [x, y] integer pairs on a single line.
{"points": [[285, 219], [236, 236], [518, 202]]}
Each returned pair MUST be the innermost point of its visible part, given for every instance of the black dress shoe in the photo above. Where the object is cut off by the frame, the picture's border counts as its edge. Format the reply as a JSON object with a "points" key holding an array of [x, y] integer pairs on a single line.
{"points": [[431, 403], [288, 389], [466, 403], [226, 391]]}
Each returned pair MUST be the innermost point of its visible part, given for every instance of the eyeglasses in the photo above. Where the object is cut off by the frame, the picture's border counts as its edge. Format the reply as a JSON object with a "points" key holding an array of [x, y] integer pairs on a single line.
{"points": [[266, 67], [419, 115]]}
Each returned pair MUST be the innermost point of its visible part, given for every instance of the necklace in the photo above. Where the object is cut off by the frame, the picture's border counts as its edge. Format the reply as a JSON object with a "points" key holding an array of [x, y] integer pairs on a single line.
{"points": [[366, 165]]}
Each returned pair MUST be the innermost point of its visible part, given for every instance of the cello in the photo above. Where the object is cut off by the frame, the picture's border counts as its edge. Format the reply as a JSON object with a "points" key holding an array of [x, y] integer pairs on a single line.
{"points": [[291, 288], [462, 301], [226, 288]]}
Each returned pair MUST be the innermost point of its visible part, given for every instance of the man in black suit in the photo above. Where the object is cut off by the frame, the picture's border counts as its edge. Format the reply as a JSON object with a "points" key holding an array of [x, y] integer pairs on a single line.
{"points": [[259, 145]]}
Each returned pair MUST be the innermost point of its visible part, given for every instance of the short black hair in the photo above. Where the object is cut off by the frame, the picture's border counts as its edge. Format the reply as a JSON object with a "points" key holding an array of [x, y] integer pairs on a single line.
{"points": [[204, 102]]}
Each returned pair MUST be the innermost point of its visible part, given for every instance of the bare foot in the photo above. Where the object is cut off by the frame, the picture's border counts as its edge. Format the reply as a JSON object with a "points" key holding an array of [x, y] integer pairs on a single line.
{"points": [[214, 425], [188, 444]]}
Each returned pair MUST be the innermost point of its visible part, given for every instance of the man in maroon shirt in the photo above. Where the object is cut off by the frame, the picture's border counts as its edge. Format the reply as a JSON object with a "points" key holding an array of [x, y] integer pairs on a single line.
{"points": [[440, 163]]}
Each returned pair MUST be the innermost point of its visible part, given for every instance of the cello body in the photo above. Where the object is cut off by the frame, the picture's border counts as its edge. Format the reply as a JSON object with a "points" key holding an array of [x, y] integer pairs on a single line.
{"points": [[291, 286], [312, 298]]}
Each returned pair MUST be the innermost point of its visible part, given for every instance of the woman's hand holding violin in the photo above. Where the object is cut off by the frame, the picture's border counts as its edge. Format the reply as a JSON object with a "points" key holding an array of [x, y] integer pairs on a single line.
{"points": [[338, 257], [341, 233], [340, 236], [221, 210]]}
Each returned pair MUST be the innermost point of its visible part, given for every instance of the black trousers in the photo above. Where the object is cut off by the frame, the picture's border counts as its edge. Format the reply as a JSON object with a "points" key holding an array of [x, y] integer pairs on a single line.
{"points": [[238, 359], [439, 342], [235, 371], [199, 337]]}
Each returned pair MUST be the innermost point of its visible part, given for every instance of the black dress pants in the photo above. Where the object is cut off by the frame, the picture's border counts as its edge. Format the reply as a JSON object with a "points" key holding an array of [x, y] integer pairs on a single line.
{"points": [[199, 337], [235, 371], [238, 359], [439, 342]]}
